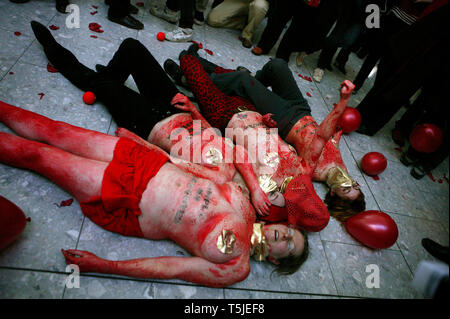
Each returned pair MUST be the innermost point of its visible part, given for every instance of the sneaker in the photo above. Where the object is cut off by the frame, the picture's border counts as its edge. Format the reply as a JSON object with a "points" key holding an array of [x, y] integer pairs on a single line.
{"points": [[318, 74], [165, 13], [300, 57], [199, 18], [180, 35], [418, 172]]}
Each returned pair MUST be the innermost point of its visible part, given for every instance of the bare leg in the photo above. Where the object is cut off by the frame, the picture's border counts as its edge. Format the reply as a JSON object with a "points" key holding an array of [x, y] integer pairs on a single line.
{"points": [[79, 176], [73, 139]]}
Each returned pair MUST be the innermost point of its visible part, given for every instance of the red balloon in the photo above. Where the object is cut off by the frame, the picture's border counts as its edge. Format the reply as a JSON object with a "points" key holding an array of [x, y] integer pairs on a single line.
{"points": [[12, 222], [373, 163], [161, 36], [89, 98], [350, 120], [373, 229], [426, 138]]}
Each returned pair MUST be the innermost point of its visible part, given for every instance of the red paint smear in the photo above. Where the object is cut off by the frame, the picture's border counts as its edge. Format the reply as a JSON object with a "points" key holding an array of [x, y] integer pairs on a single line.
{"points": [[67, 202], [41, 95], [11, 73], [53, 27], [140, 4], [51, 68], [93, 13], [95, 7], [375, 177], [94, 36], [17, 33], [232, 60], [304, 77], [208, 227], [200, 45], [28, 219], [430, 175], [309, 94], [93, 26], [209, 52], [398, 149]]}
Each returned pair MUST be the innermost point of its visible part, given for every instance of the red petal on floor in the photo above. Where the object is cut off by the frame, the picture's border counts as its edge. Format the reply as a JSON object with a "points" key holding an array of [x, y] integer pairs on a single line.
{"points": [[41, 95], [232, 60], [140, 4], [440, 181], [51, 68], [95, 7], [53, 27], [11, 73], [309, 94], [93, 12], [17, 33], [66, 202], [28, 219], [375, 177], [94, 36], [304, 77], [93, 26], [209, 52], [430, 175], [200, 45]]}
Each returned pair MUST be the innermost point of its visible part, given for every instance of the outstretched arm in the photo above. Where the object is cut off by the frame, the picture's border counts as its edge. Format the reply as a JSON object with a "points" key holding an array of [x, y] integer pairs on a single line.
{"points": [[328, 126], [192, 269]]}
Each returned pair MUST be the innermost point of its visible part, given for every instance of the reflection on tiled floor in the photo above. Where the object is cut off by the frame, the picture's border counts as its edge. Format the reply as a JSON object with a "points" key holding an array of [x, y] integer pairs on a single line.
{"points": [[33, 266]]}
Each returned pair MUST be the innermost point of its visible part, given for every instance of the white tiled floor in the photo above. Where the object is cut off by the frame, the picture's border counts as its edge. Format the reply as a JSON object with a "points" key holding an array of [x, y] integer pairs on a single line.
{"points": [[33, 267]]}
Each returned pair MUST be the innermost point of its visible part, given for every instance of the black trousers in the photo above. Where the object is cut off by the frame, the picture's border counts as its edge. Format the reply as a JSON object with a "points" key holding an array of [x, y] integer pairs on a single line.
{"points": [[279, 14], [118, 8], [285, 101], [137, 112], [187, 11]]}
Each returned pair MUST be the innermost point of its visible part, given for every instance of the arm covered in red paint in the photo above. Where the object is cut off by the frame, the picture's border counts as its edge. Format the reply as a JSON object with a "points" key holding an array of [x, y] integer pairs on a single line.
{"points": [[192, 269], [181, 102], [259, 199], [328, 126]]}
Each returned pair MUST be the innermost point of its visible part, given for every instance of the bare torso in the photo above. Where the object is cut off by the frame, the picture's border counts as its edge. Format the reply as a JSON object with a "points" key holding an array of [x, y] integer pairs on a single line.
{"points": [[270, 154], [193, 212], [188, 140]]}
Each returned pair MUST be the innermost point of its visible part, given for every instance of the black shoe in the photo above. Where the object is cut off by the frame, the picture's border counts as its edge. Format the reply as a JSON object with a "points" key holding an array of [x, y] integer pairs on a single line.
{"points": [[128, 21], [42, 34], [100, 67], [418, 172], [132, 9], [407, 161], [243, 69], [192, 50], [173, 70], [61, 5], [437, 251]]}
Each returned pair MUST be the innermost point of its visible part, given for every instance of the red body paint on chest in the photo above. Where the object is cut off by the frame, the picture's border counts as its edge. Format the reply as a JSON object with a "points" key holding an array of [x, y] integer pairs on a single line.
{"points": [[208, 226]]}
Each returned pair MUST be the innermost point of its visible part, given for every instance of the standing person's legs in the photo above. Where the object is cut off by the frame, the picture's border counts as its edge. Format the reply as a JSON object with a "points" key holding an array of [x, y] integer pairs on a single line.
{"points": [[119, 12], [184, 32], [256, 13], [278, 15]]}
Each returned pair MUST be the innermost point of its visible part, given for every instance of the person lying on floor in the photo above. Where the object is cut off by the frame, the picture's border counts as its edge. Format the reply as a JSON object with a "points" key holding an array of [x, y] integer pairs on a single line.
{"points": [[135, 190]]}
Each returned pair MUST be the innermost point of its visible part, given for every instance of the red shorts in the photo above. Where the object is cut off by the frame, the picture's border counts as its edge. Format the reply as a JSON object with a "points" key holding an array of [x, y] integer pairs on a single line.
{"points": [[124, 181]]}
